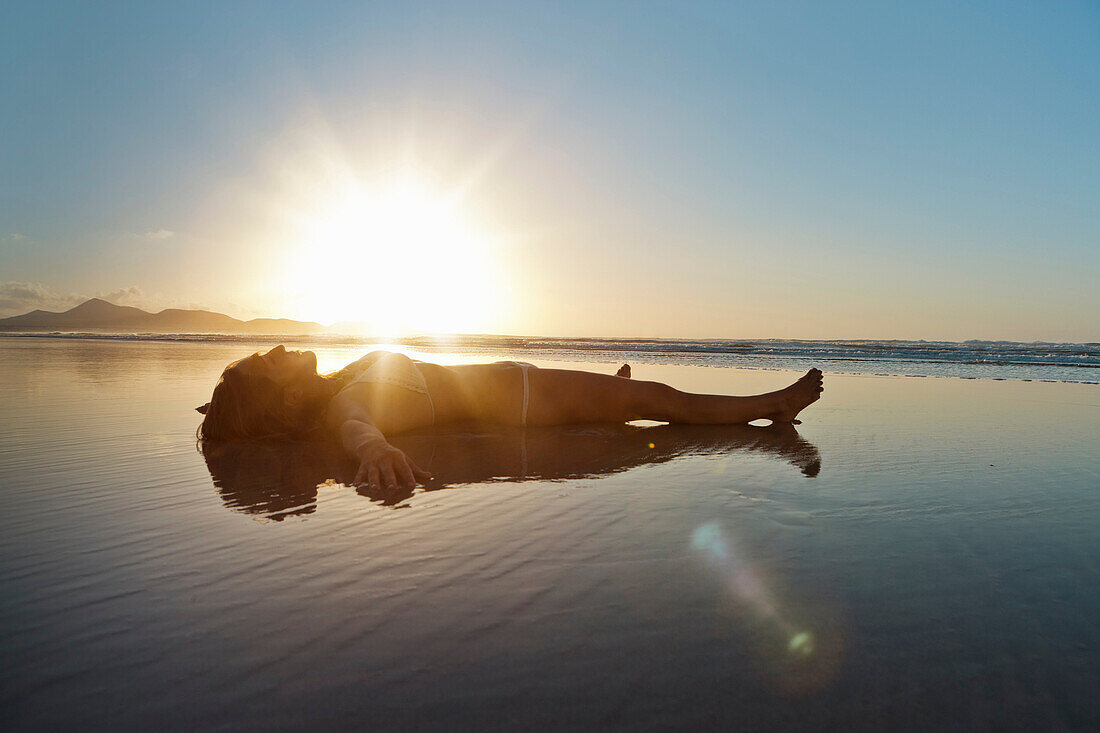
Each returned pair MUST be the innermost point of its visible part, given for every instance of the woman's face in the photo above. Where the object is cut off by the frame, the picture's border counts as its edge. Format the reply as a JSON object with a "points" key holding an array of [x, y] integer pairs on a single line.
{"points": [[279, 365]]}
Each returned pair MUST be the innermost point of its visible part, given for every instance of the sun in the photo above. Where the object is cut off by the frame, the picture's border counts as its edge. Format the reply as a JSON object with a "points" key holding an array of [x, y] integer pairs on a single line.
{"points": [[400, 259]]}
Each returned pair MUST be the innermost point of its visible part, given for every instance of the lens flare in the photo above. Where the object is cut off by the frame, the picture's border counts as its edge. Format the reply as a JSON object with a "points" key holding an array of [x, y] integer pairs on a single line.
{"points": [[709, 540], [801, 643], [797, 659]]}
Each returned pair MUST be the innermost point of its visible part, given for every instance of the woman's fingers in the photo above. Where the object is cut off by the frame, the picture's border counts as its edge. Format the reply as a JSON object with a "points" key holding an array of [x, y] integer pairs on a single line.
{"points": [[419, 472], [391, 472], [388, 479], [405, 473]]}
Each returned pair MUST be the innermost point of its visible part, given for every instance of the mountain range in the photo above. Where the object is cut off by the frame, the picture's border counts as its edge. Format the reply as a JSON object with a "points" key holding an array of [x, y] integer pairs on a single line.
{"points": [[99, 315]]}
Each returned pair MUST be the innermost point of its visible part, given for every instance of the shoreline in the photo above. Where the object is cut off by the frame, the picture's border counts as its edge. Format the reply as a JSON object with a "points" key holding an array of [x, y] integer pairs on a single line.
{"points": [[871, 359]]}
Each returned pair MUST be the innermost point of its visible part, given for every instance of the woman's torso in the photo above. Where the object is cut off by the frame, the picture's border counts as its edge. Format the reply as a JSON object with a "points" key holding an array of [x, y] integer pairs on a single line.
{"points": [[463, 392]]}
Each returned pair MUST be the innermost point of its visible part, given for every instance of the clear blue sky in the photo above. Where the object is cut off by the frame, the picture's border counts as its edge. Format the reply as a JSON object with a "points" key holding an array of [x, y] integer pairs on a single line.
{"points": [[878, 170]]}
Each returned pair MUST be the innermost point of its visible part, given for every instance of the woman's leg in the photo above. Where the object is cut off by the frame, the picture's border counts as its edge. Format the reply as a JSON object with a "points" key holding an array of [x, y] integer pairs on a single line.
{"points": [[560, 396]]}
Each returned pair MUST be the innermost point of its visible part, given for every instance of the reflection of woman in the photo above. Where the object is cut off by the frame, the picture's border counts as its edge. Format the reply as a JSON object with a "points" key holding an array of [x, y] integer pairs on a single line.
{"points": [[277, 481], [579, 451], [280, 395]]}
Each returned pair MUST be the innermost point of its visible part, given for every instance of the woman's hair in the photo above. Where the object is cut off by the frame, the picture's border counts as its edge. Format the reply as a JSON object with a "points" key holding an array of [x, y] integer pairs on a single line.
{"points": [[245, 407], [269, 480]]}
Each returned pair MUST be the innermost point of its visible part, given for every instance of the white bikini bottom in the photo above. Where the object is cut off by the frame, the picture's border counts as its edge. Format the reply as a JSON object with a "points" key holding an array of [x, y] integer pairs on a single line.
{"points": [[526, 386]]}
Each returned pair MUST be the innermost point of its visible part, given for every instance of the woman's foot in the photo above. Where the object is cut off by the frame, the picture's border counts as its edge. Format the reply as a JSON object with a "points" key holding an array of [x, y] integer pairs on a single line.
{"points": [[797, 397]]}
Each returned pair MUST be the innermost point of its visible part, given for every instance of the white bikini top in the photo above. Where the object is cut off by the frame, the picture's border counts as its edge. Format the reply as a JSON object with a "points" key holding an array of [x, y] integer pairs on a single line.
{"points": [[386, 367]]}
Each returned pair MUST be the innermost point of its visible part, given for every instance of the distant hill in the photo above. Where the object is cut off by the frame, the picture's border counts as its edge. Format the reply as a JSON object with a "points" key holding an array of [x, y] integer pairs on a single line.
{"points": [[99, 315]]}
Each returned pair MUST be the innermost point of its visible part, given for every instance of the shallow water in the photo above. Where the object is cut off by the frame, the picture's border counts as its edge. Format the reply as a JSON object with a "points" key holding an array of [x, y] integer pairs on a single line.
{"points": [[921, 554]]}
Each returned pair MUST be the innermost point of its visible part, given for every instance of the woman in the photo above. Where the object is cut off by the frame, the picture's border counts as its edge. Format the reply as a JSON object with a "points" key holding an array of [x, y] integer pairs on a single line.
{"points": [[280, 395]]}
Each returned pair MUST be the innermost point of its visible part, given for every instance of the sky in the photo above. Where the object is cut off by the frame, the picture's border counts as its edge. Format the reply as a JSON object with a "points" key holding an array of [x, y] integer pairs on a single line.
{"points": [[924, 170]]}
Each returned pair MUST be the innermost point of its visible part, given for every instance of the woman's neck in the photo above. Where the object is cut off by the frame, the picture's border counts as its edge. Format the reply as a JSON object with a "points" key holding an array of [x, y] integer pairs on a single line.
{"points": [[326, 386]]}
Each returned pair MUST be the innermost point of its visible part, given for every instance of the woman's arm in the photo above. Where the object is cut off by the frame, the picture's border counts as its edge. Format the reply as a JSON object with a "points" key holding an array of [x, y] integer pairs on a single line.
{"points": [[380, 464]]}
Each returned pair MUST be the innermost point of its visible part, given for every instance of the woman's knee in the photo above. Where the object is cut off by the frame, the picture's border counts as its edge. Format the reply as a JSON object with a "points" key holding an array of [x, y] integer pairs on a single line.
{"points": [[653, 401], [565, 396]]}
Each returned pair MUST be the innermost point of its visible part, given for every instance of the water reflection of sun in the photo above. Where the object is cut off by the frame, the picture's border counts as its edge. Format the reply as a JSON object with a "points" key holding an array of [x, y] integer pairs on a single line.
{"points": [[401, 259]]}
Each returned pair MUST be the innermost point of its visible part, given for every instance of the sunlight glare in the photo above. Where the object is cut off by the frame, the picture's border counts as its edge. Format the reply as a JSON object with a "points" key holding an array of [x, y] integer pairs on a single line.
{"points": [[400, 260]]}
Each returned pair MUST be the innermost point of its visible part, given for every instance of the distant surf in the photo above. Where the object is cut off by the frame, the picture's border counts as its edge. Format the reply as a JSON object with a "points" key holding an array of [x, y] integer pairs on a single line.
{"points": [[1038, 361]]}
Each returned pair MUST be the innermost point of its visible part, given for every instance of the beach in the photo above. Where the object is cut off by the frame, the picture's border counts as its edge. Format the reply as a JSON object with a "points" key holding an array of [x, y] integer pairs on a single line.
{"points": [[920, 554]]}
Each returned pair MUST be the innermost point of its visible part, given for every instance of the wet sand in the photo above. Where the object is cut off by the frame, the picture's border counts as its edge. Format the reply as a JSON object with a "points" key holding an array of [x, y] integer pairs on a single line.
{"points": [[920, 554]]}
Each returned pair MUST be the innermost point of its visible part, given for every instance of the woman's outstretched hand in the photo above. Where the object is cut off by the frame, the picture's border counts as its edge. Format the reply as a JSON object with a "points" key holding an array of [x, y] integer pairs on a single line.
{"points": [[381, 466]]}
